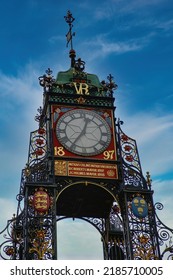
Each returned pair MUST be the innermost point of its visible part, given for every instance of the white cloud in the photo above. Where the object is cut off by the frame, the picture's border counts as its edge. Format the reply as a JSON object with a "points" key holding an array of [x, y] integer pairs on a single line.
{"points": [[56, 38], [80, 241], [154, 134], [22, 89], [163, 192], [119, 47], [8, 208], [20, 98], [101, 47], [122, 8], [165, 25]]}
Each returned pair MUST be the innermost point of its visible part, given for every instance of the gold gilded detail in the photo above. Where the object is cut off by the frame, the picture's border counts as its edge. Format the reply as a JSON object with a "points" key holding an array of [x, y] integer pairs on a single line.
{"points": [[143, 251], [40, 246], [81, 88], [80, 100], [60, 168]]}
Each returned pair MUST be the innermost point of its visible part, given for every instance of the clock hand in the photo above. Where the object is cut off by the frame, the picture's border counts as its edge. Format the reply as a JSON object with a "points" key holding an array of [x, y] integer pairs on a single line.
{"points": [[83, 131]]}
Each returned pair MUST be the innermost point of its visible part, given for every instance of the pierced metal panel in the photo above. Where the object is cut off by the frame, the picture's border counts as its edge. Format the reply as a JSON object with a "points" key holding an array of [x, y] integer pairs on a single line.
{"points": [[140, 227], [40, 223], [37, 147], [129, 151], [132, 178], [131, 167]]}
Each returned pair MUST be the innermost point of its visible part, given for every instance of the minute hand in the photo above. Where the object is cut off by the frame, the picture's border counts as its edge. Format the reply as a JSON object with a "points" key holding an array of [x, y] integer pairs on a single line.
{"points": [[83, 131]]}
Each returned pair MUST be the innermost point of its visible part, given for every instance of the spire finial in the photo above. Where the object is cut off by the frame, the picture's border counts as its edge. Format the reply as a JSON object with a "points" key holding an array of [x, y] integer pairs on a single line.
{"points": [[149, 180], [69, 19]]}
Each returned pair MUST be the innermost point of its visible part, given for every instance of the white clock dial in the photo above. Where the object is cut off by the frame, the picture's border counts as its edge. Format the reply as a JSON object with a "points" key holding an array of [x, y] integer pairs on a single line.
{"points": [[83, 132]]}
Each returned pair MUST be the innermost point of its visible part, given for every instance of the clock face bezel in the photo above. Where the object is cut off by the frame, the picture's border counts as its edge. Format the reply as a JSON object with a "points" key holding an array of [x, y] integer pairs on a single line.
{"points": [[90, 121]]}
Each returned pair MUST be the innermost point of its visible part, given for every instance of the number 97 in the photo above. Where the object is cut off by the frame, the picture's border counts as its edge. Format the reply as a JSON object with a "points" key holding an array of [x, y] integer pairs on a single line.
{"points": [[108, 154]]}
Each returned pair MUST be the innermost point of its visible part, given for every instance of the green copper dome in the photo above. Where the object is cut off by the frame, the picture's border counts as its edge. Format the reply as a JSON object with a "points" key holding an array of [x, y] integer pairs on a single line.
{"points": [[71, 75]]}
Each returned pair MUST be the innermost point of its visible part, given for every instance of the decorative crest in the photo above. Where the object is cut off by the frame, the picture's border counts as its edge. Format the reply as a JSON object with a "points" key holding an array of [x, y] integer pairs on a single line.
{"points": [[69, 19], [110, 85], [79, 65], [47, 80]]}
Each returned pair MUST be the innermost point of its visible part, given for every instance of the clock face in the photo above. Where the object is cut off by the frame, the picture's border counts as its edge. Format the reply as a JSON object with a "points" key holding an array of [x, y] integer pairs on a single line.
{"points": [[83, 132]]}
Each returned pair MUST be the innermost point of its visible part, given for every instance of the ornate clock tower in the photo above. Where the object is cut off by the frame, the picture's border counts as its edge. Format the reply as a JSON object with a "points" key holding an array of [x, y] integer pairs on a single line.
{"points": [[82, 165]]}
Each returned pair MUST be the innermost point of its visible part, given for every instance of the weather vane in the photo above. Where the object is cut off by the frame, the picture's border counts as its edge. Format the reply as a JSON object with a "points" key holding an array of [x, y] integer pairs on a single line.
{"points": [[69, 19]]}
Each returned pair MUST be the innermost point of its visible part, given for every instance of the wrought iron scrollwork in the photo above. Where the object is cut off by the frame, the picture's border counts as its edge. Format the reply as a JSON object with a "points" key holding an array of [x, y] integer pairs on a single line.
{"points": [[165, 235], [11, 248], [47, 80], [38, 146], [109, 86], [131, 166], [132, 178], [38, 168], [129, 151]]}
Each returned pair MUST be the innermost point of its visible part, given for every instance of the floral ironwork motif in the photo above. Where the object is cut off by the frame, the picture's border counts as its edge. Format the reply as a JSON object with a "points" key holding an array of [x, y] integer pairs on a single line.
{"points": [[129, 151], [38, 146], [41, 245], [144, 244], [47, 80], [143, 249], [131, 166], [11, 248], [109, 86], [132, 178]]}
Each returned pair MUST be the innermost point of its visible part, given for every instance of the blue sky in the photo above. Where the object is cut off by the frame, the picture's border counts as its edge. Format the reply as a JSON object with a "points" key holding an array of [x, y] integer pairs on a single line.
{"points": [[132, 40]]}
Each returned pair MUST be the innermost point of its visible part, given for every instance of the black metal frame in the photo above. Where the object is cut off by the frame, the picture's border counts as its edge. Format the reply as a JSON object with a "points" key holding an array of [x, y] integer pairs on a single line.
{"points": [[125, 235]]}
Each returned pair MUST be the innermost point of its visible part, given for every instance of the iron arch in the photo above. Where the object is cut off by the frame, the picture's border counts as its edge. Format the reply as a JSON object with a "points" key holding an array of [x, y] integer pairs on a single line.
{"points": [[84, 199]]}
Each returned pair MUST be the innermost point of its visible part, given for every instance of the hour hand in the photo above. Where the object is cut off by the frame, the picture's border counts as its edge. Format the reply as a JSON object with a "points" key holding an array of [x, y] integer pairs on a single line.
{"points": [[83, 131], [85, 126]]}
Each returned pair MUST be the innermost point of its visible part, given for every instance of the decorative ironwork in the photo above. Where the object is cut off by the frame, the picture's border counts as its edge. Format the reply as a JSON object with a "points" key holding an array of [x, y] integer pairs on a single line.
{"points": [[165, 235], [41, 245], [131, 166], [129, 151], [40, 222], [149, 180], [69, 19], [96, 101], [47, 80], [38, 147], [98, 223], [115, 219], [143, 249], [109, 86], [141, 231], [79, 65], [132, 178], [115, 248], [38, 117], [11, 248]]}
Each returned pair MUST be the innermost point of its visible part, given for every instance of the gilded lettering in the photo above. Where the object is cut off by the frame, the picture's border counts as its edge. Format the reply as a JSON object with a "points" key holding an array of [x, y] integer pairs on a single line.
{"points": [[81, 88]]}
